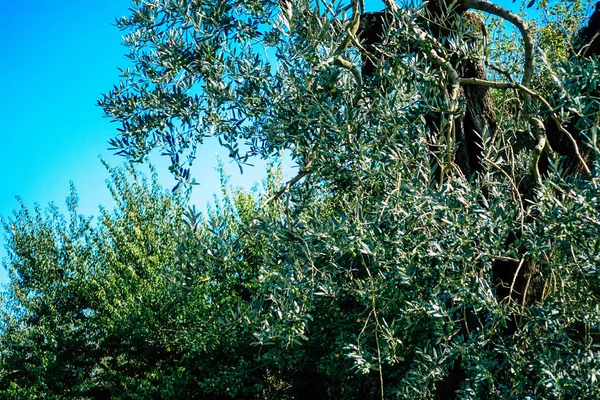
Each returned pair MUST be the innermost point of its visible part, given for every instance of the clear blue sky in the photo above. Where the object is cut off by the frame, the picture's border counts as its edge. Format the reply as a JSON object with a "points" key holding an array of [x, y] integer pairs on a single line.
{"points": [[57, 59]]}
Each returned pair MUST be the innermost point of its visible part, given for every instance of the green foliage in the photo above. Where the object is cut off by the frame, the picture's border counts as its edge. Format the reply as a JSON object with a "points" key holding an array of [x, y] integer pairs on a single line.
{"points": [[85, 301], [366, 279]]}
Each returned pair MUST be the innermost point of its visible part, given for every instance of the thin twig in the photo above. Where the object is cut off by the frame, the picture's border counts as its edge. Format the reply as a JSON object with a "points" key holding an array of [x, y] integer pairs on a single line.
{"points": [[524, 299], [378, 354], [503, 258], [377, 327], [583, 51], [301, 174], [512, 285], [501, 71], [516, 190]]}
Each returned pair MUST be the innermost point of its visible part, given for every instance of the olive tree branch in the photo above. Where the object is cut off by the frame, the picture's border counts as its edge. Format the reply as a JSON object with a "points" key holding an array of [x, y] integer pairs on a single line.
{"points": [[583, 51], [512, 285], [351, 31], [532, 93], [353, 25], [491, 8], [426, 41], [542, 144], [350, 66], [392, 5]]}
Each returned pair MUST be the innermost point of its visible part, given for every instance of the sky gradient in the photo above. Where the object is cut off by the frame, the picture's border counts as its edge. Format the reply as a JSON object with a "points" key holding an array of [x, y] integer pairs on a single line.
{"points": [[57, 60]]}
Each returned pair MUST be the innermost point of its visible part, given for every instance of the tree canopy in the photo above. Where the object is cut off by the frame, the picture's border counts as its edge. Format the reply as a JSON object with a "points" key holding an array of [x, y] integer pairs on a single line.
{"points": [[441, 238]]}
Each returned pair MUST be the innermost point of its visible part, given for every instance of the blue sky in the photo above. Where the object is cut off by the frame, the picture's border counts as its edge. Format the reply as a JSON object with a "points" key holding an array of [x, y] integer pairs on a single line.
{"points": [[57, 59]]}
